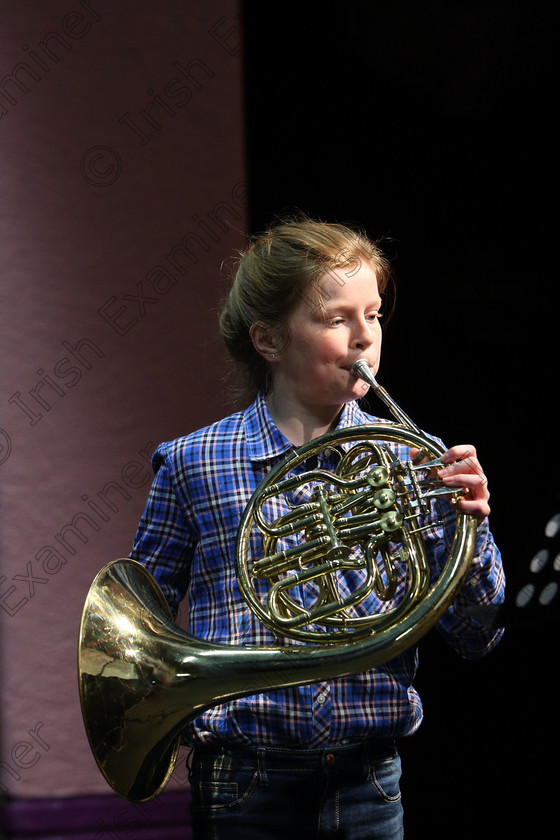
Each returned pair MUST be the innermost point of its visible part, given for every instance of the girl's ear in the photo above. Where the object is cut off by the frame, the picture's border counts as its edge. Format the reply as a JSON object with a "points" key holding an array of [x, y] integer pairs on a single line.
{"points": [[264, 340]]}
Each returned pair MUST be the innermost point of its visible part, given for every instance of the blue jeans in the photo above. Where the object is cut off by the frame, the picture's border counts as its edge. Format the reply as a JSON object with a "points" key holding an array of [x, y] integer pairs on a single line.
{"points": [[348, 793]]}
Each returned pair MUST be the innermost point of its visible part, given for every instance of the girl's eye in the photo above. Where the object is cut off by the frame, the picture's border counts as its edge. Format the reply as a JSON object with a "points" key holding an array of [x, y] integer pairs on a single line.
{"points": [[337, 320]]}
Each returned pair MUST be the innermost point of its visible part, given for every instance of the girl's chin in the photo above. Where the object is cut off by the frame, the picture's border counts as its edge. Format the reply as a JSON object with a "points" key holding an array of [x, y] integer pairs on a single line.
{"points": [[359, 388], [356, 392]]}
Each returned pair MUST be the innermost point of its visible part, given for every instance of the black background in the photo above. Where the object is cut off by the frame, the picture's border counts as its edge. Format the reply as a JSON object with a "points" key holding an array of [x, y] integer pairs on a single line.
{"points": [[432, 125]]}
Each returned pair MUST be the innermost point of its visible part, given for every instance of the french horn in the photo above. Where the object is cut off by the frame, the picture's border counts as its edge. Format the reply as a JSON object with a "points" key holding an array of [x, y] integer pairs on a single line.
{"points": [[142, 679]]}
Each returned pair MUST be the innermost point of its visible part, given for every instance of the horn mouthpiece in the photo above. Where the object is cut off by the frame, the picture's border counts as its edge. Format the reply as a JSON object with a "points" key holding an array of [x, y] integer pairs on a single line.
{"points": [[361, 370]]}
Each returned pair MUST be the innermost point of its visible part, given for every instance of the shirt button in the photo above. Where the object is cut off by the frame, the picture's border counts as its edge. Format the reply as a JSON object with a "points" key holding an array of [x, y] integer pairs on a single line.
{"points": [[321, 698]]}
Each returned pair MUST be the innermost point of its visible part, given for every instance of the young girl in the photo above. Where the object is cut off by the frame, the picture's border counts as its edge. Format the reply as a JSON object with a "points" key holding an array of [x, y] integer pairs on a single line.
{"points": [[314, 760]]}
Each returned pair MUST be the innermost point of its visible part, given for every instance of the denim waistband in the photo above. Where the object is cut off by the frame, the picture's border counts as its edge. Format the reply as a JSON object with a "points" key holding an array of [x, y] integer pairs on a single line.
{"points": [[341, 758]]}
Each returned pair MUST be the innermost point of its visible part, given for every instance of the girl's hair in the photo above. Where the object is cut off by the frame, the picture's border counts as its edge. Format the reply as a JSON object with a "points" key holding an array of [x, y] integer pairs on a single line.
{"points": [[282, 267]]}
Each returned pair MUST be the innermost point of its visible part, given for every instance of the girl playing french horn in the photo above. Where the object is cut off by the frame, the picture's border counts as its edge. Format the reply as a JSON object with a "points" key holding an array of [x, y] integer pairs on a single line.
{"points": [[305, 304]]}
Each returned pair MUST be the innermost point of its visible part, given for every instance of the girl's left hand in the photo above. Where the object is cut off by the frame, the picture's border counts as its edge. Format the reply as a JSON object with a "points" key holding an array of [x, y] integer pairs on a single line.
{"points": [[462, 469]]}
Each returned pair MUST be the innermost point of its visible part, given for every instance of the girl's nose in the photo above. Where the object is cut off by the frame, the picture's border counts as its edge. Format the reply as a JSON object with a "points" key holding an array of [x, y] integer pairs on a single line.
{"points": [[362, 334]]}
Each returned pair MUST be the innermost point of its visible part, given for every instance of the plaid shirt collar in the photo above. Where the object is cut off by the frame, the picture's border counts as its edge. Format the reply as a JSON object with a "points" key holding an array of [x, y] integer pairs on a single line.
{"points": [[265, 441]]}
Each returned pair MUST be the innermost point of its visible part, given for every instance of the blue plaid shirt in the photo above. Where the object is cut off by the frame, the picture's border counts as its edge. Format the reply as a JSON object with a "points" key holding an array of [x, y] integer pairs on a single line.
{"points": [[186, 539]]}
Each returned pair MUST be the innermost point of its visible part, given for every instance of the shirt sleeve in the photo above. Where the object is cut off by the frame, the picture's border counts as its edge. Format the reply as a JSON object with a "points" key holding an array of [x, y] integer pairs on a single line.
{"points": [[166, 537], [484, 587]]}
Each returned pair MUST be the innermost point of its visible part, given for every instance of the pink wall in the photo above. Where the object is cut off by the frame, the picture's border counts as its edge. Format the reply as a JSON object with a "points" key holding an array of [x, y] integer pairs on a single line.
{"points": [[122, 192]]}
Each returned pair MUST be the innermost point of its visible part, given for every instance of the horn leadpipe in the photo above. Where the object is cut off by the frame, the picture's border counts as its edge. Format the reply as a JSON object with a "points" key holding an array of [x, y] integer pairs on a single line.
{"points": [[361, 370]]}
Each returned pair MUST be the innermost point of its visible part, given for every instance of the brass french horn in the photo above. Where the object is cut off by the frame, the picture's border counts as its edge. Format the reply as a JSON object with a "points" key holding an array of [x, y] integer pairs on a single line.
{"points": [[142, 679]]}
